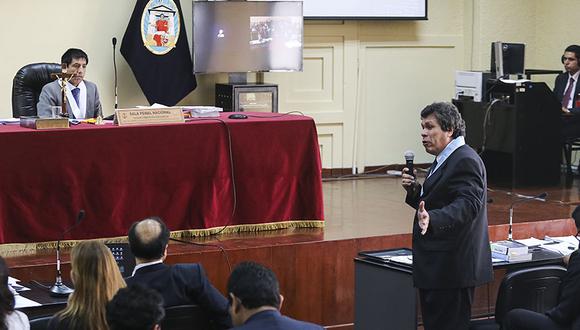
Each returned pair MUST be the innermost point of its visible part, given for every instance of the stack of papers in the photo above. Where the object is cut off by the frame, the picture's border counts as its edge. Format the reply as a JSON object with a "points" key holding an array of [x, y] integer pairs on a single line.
{"points": [[202, 111], [16, 288], [407, 260], [532, 242], [562, 244]]}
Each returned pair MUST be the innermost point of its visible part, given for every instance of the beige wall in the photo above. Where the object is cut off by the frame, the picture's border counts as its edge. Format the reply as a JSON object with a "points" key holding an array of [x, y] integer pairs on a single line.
{"points": [[364, 82]]}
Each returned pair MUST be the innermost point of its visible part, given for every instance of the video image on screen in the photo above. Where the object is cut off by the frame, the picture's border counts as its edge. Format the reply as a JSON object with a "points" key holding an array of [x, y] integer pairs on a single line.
{"points": [[247, 36]]}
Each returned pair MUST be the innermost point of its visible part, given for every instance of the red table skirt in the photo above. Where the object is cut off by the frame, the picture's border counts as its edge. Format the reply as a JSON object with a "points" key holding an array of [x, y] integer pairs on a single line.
{"points": [[184, 173]]}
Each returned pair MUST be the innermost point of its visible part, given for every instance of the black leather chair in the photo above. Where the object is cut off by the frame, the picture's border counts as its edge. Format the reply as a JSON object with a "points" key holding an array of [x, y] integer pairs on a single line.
{"points": [[535, 289], [27, 85], [40, 323], [185, 317]]}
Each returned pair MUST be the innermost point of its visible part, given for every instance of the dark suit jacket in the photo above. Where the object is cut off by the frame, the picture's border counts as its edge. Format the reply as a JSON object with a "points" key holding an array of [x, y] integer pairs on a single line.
{"points": [[455, 252], [272, 319], [559, 89], [184, 284], [568, 308]]}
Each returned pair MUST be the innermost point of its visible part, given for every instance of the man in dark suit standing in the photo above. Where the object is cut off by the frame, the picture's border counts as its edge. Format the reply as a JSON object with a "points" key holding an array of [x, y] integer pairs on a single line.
{"points": [[255, 300], [451, 253], [180, 284]]}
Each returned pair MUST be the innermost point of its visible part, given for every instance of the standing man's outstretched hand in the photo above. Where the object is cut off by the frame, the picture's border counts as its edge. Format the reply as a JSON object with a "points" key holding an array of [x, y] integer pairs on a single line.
{"points": [[423, 217]]}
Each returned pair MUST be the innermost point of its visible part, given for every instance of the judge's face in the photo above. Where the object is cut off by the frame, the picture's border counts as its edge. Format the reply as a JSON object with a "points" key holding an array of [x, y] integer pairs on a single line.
{"points": [[78, 66], [433, 137], [570, 62]]}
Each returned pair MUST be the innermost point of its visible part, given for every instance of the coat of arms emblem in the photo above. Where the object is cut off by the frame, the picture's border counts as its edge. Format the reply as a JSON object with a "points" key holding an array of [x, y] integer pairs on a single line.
{"points": [[160, 26]]}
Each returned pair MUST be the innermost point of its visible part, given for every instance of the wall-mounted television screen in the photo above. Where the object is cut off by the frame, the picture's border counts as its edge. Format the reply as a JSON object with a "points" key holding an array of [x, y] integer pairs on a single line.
{"points": [[366, 9], [247, 36]]}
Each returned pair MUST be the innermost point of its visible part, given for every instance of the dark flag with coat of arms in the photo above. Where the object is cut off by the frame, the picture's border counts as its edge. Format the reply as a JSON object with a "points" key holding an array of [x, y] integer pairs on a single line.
{"points": [[155, 46]]}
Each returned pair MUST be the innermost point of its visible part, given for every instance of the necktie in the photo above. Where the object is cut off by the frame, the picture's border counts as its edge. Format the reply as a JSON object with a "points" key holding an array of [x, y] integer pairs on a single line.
{"points": [[433, 167], [568, 93], [76, 92]]}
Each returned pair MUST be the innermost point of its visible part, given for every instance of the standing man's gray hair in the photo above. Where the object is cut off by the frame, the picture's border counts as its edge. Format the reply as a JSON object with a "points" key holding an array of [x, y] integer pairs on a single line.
{"points": [[447, 116]]}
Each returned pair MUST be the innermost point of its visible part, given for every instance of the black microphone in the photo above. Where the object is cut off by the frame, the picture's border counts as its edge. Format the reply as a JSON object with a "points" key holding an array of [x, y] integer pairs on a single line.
{"points": [[540, 197], [59, 289], [115, 68], [409, 157]]}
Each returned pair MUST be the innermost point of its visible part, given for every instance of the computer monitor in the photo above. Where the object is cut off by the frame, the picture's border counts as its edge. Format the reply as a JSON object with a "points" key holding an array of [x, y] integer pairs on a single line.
{"points": [[247, 36], [507, 58]]}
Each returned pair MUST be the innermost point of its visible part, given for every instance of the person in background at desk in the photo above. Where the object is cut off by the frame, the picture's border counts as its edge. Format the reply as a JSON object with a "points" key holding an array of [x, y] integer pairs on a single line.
{"points": [[451, 252], [566, 315], [82, 95], [10, 319], [567, 89]]}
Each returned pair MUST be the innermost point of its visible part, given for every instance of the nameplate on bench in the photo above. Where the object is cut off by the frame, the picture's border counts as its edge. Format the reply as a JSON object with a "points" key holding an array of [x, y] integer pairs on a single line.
{"points": [[149, 116]]}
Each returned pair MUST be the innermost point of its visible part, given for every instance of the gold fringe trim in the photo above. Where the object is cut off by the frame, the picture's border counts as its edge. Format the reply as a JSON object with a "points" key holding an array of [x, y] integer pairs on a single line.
{"points": [[19, 249]]}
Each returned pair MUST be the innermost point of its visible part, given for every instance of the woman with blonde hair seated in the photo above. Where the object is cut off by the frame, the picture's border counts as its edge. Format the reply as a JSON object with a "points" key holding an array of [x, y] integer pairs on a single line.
{"points": [[96, 279]]}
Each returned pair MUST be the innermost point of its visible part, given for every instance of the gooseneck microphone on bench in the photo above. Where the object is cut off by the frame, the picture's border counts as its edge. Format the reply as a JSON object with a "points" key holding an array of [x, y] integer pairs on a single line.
{"points": [[541, 197], [59, 289]]}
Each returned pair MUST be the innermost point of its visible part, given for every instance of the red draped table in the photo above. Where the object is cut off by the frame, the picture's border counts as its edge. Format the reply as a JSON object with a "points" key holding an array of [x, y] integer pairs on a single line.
{"points": [[184, 173]]}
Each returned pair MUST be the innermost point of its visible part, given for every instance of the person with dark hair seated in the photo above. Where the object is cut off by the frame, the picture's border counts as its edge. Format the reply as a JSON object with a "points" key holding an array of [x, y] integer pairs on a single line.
{"points": [[10, 319], [565, 315], [180, 284], [135, 308], [82, 95], [255, 300]]}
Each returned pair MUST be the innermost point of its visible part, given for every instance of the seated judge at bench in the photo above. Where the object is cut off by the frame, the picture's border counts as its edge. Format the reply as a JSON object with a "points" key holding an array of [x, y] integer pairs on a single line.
{"points": [[82, 95], [566, 315]]}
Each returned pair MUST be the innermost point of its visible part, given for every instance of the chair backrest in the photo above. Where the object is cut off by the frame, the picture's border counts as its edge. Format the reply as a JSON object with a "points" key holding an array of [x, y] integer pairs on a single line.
{"points": [[27, 85], [536, 289], [40, 323], [185, 317]]}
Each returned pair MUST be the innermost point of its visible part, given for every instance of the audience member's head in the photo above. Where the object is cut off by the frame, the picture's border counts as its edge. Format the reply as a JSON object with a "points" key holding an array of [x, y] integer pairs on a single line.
{"points": [[96, 279], [252, 288], [6, 296], [148, 239], [135, 308]]}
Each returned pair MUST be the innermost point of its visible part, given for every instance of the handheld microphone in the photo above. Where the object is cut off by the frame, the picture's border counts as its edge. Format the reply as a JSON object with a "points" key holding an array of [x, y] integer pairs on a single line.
{"points": [[540, 197], [409, 157], [115, 68], [59, 289]]}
